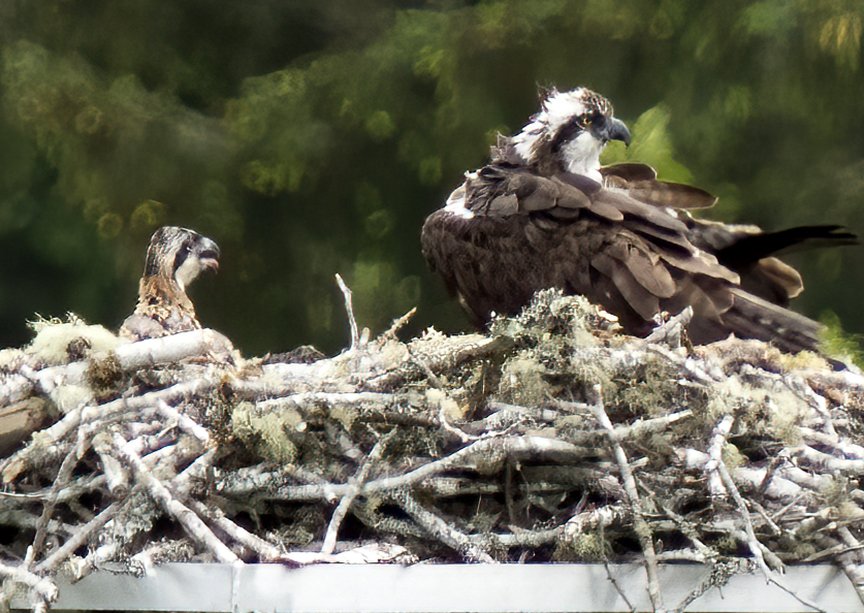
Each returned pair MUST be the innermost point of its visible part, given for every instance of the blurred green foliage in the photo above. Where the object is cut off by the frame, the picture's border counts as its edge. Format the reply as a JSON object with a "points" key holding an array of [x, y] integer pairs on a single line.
{"points": [[310, 138]]}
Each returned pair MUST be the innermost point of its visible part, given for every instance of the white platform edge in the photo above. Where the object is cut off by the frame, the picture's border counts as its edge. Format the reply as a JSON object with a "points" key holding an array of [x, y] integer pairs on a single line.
{"points": [[442, 588]]}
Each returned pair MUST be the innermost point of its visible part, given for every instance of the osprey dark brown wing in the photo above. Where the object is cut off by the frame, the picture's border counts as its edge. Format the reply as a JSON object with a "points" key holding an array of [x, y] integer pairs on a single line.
{"points": [[747, 250], [640, 182]]}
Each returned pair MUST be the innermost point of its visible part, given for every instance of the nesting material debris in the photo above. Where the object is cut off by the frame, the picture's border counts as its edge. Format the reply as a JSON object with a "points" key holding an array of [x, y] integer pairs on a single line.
{"points": [[551, 438]]}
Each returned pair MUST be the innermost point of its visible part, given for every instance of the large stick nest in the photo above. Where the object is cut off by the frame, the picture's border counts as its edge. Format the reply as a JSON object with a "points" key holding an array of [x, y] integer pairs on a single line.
{"points": [[552, 438]]}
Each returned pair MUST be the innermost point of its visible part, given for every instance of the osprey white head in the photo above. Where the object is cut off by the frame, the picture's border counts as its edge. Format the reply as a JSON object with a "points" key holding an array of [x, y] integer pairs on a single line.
{"points": [[571, 130]]}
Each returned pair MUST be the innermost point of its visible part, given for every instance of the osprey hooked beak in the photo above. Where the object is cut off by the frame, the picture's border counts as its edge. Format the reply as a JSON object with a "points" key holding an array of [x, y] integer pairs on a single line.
{"points": [[611, 129], [197, 253], [208, 254]]}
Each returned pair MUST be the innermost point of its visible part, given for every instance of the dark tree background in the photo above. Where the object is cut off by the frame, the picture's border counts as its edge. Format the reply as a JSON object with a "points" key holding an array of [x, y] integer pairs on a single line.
{"points": [[312, 137]]}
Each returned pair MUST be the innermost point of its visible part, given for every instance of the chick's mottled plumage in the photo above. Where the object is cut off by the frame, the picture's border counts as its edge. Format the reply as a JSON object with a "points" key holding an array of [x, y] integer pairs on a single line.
{"points": [[175, 258]]}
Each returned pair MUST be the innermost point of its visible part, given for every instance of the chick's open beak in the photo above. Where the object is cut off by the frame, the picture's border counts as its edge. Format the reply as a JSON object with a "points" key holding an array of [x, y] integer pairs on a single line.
{"points": [[209, 255]]}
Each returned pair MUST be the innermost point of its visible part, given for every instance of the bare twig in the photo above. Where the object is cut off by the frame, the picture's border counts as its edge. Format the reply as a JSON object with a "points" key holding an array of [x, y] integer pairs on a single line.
{"points": [[266, 551], [849, 561], [756, 548], [617, 587], [715, 455], [397, 325], [116, 476], [59, 555], [63, 475], [355, 486], [439, 529], [641, 527], [670, 330], [349, 310], [686, 527], [191, 523], [805, 601], [44, 588], [597, 519], [184, 422], [716, 466], [641, 427], [52, 441]]}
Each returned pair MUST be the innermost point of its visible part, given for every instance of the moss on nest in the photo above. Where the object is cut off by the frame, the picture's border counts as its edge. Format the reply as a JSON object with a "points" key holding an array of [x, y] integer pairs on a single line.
{"points": [[105, 375], [586, 547], [269, 433], [60, 342], [651, 389]]}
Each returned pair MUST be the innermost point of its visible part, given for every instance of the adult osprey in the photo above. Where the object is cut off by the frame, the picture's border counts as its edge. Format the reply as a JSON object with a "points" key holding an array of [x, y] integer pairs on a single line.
{"points": [[175, 258], [544, 214]]}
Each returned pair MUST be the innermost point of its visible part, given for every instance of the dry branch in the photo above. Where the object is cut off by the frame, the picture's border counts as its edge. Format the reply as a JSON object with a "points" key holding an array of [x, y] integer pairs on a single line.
{"points": [[641, 527]]}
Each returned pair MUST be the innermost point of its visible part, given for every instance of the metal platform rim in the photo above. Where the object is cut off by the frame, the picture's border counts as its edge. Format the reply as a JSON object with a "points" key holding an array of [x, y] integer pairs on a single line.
{"points": [[445, 588]]}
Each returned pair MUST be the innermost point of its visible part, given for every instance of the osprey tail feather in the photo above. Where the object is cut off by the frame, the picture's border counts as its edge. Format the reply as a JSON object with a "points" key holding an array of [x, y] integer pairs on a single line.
{"points": [[752, 317]]}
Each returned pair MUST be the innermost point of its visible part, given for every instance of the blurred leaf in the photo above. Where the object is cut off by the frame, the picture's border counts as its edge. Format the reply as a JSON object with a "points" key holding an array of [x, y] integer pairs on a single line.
{"points": [[651, 145], [380, 125], [841, 37], [840, 344], [768, 18]]}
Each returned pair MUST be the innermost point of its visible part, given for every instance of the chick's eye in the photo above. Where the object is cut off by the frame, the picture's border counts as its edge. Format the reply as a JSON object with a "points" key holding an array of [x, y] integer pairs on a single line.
{"points": [[587, 120]]}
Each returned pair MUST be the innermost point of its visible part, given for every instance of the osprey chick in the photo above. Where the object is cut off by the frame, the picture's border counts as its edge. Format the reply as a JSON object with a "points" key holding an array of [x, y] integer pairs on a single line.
{"points": [[175, 258], [543, 213]]}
